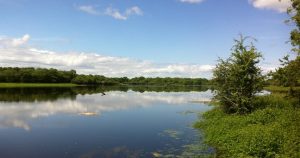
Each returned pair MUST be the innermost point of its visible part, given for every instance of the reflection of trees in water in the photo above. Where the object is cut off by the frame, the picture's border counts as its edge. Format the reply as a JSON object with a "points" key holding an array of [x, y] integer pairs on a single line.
{"points": [[35, 94], [19, 113], [52, 94]]}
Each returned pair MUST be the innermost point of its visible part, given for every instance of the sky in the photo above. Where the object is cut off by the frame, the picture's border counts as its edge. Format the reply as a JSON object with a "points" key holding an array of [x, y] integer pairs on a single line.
{"points": [[174, 38]]}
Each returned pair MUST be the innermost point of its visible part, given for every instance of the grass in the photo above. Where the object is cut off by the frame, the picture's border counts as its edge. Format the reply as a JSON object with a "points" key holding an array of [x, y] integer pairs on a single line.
{"points": [[21, 85], [280, 88], [273, 130]]}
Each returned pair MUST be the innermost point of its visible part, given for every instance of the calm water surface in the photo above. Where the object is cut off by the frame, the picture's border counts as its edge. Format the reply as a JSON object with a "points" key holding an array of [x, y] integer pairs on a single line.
{"points": [[92, 122]]}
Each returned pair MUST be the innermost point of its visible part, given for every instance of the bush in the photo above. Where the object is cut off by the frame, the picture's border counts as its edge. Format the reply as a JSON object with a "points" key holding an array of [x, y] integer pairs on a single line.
{"points": [[238, 79]]}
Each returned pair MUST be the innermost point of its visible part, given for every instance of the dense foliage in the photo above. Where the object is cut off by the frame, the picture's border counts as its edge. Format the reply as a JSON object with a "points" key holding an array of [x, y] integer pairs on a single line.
{"points": [[168, 81], [289, 74], [238, 78], [93, 79], [35, 75], [273, 130], [295, 18], [42, 75]]}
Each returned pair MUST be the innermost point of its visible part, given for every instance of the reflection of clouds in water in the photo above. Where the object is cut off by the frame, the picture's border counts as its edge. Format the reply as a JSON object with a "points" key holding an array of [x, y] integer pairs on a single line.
{"points": [[17, 114]]}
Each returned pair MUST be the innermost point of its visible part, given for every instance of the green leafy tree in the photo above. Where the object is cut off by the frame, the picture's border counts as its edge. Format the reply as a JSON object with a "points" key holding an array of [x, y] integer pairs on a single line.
{"points": [[289, 73], [238, 78], [294, 13]]}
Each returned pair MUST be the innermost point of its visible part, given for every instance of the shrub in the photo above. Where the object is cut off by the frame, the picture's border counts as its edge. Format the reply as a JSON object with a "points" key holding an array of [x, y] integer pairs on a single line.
{"points": [[238, 78]]}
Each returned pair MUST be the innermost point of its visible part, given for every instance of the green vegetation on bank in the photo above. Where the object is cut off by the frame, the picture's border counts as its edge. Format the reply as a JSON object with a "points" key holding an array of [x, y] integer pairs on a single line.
{"points": [[43, 75], [272, 130], [244, 125], [35, 75], [280, 88], [15, 85], [139, 81]]}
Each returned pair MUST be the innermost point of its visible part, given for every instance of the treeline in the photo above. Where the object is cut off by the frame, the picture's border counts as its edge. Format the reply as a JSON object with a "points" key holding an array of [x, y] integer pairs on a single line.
{"points": [[35, 75], [43, 75], [168, 81]]}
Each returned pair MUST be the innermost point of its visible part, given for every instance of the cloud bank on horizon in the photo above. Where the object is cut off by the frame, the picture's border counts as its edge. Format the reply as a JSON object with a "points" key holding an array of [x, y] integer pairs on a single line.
{"points": [[15, 52]]}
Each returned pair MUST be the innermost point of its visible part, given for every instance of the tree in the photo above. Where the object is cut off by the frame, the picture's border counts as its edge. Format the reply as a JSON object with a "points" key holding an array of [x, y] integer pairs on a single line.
{"points": [[238, 78], [289, 74], [293, 11]]}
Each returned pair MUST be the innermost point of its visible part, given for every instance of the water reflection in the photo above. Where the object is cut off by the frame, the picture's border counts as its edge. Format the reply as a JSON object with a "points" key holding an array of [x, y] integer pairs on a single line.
{"points": [[26, 104], [52, 94], [82, 122]]}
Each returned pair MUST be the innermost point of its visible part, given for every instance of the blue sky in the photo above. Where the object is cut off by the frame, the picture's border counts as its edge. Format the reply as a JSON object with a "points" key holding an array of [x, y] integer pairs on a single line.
{"points": [[161, 33]]}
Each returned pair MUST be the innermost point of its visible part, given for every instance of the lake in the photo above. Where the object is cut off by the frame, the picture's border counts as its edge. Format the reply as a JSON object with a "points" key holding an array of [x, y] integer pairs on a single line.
{"points": [[113, 122]]}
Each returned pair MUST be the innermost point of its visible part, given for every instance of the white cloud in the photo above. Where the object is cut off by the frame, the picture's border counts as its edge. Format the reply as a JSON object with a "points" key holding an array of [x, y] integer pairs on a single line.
{"points": [[280, 6], [15, 42], [115, 13], [267, 67], [20, 41], [88, 9], [91, 63], [134, 11], [191, 1]]}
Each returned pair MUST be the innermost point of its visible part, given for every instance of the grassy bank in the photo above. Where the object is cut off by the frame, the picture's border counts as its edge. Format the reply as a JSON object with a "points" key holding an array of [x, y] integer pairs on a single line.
{"points": [[273, 130], [16, 85], [280, 89]]}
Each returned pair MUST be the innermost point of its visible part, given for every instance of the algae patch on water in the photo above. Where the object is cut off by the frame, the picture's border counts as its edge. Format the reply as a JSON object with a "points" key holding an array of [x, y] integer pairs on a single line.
{"points": [[188, 112], [172, 133], [156, 154]]}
